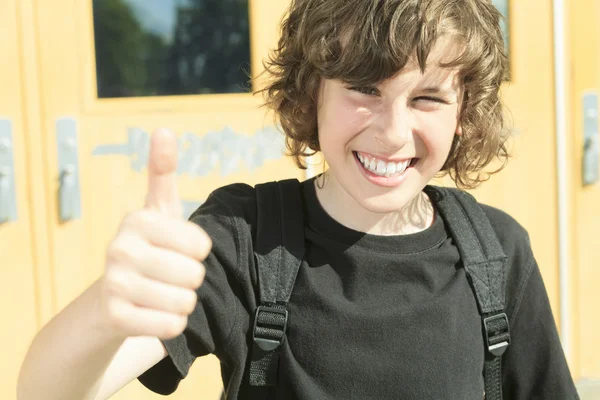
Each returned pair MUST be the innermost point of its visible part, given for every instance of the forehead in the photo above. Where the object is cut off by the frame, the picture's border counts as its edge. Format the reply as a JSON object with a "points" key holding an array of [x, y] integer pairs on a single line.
{"points": [[445, 51]]}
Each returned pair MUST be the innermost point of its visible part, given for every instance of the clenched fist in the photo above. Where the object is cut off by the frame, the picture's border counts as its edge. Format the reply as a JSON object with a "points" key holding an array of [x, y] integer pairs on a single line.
{"points": [[154, 264]]}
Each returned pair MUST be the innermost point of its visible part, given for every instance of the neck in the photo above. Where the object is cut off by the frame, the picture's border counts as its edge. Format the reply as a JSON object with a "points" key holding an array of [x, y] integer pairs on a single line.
{"points": [[414, 217]]}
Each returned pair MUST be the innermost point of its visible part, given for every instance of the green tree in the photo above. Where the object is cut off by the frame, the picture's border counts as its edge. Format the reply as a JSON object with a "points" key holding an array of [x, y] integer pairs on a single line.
{"points": [[120, 45], [211, 49], [209, 52]]}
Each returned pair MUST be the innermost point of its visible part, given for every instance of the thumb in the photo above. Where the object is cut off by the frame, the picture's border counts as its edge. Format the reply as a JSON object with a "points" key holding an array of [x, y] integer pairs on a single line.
{"points": [[162, 193]]}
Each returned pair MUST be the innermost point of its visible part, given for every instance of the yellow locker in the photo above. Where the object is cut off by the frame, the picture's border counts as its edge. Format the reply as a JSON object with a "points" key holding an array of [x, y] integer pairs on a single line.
{"points": [[18, 252], [585, 200]]}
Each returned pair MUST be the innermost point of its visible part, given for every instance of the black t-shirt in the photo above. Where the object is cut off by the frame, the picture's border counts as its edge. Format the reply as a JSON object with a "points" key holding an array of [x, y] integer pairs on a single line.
{"points": [[371, 317]]}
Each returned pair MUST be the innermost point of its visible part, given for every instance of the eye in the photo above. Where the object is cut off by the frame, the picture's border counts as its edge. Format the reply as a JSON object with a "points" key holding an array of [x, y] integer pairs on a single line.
{"points": [[431, 99], [366, 90]]}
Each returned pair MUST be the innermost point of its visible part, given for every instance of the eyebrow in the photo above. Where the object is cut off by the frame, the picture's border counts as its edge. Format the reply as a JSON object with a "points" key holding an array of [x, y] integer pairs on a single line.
{"points": [[436, 90]]}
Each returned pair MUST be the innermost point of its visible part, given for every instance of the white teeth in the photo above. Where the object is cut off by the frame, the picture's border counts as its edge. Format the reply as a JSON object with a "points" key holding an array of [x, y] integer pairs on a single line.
{"points": [[391, 169], [372, 165], [401, 166], [382, 168]]}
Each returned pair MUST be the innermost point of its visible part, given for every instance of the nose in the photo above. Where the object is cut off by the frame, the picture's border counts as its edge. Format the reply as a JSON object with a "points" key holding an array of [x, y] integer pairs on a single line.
{"points": [[395, 127]]}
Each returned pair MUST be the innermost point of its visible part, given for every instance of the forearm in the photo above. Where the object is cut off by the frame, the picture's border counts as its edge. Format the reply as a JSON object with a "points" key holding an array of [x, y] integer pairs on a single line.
{"points": [[69, 356]]}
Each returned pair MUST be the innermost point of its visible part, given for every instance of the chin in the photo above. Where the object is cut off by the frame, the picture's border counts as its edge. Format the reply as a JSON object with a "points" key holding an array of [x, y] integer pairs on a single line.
{"points": [[382, 207], [387, 203]]}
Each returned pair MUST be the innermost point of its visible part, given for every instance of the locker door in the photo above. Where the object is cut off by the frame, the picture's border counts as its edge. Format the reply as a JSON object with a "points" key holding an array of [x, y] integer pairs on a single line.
{"points": [[585, 200], [18, 255], [115, 70]]}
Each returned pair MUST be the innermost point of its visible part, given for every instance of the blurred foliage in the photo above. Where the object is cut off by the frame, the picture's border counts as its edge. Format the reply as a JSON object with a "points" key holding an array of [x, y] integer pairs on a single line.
{"points": [[208, 50]]}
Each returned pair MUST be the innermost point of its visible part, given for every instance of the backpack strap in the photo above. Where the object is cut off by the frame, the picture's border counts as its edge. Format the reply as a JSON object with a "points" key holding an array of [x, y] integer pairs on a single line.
{"points": [[279, 253], [484, 262]]}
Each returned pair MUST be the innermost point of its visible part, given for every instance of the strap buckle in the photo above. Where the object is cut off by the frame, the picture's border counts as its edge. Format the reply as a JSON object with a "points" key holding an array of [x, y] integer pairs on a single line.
{"points": [[497, 333], [270, 324]]}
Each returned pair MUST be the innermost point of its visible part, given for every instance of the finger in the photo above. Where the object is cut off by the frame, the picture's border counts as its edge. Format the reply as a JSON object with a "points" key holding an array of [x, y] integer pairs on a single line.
{"points": [[154, 262], [162, 193], [139, 321], [181, 270], [180, 236], [155, 295]]}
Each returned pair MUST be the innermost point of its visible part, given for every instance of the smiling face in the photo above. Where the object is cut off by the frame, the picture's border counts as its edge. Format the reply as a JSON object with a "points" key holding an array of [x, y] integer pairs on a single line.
{"points": [[384, 143]]}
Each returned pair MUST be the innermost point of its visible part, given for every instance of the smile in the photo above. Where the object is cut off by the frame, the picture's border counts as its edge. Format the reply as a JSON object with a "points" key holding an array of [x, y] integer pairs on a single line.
{"points": [[382, 168]]}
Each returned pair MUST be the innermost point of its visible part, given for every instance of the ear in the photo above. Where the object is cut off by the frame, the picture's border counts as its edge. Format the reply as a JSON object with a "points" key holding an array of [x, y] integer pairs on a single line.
{"points": [[459, 130]]}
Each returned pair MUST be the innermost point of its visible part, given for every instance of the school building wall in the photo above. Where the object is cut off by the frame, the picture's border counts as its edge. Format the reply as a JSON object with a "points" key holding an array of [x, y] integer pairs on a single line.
{"points": [[73, 152]]}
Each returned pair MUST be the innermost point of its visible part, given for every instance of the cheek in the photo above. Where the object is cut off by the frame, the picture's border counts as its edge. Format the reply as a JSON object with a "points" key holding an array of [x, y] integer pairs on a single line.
{"points": [[438, 135], [339, 122]]}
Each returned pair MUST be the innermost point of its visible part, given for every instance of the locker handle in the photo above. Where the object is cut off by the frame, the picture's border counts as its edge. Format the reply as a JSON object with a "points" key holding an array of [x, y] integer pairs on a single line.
{"points": [[589, 168], [590, 142], [69, 193], [8, 201], [590, 159], [5, 193]]}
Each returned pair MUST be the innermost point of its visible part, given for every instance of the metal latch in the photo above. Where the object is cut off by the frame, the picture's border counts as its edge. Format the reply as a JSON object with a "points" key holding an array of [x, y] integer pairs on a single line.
{"points": [[69, 190], [590, 167], [8, 197]]}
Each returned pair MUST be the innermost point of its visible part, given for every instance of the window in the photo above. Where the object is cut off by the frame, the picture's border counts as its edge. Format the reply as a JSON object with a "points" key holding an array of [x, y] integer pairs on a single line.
{"points": [[171, 47], [502, 6]]}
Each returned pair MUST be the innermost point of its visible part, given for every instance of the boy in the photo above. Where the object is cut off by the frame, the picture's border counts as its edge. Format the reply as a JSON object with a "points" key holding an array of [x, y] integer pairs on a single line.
{"points": [[393, 93]]}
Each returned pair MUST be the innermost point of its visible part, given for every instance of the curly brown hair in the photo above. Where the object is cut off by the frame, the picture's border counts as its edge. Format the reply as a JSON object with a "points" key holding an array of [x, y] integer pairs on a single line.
{"points": [[379, 39]]}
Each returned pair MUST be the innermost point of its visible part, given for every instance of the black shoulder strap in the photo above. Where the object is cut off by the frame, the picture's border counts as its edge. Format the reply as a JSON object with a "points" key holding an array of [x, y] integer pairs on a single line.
{"points": [[279, 252], [484, 262]]}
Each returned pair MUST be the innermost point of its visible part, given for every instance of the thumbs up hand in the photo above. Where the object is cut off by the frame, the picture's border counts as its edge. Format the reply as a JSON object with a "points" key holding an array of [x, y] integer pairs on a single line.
{"points": [[153, 265]]}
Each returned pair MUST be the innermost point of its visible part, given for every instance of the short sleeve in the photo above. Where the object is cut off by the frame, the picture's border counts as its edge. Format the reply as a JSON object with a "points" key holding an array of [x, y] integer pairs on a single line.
{"points": [[215, 316], [534, 365]]}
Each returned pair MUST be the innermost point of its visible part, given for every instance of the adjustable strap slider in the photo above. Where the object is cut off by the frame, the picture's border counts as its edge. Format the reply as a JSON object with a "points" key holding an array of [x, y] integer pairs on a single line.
{"points": [[497, 333], [270, 324]]}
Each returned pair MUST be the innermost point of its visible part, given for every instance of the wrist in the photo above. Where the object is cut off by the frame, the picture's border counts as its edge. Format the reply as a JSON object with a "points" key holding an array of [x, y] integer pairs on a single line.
{"points": [[100, 322]]}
